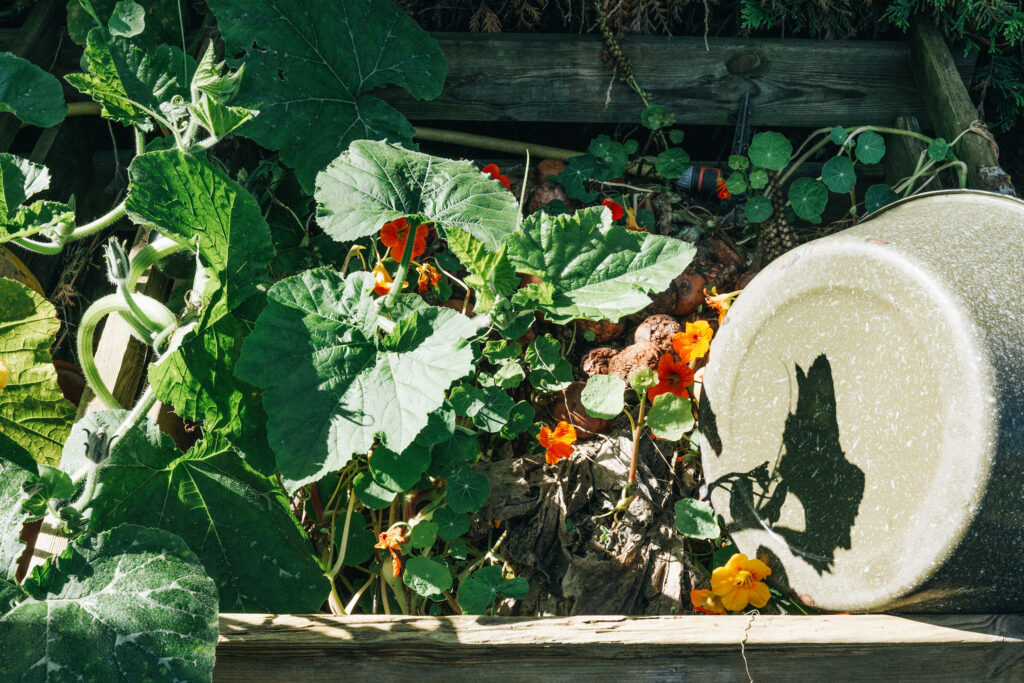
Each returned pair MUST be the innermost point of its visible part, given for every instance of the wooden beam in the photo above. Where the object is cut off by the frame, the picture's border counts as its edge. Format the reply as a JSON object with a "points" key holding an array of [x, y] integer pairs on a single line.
{"points": [[805, 83], [852, 647]]}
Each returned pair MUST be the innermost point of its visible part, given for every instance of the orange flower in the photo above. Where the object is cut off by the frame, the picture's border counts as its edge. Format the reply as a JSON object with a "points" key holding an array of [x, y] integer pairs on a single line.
{"points": [[631, 223], [495, 172], [739, 583], [707, 602], [429, 277], [615, 207], [395, 233], [392, 540], [559, 442], [673, 378], [719, 302], [721, 191], [693, 342]]}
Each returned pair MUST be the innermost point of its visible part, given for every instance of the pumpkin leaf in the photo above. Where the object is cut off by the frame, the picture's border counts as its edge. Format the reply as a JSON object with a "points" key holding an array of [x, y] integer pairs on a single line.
{"points": [[31, 94]]}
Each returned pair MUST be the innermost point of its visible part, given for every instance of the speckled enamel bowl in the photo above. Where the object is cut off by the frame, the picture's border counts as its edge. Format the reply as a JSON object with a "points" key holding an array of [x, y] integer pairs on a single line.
{"points": [[862, 412]]}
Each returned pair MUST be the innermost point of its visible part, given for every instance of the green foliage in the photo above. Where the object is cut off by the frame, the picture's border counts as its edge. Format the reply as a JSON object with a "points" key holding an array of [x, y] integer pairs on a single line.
{"points": [[602, 397], [696, 519], [758, 209], [549, 371], [770, 150], [671, 417], [30, 93], [484, 586], [808, 198], [672, 163], [839, 175], [877, 196]]}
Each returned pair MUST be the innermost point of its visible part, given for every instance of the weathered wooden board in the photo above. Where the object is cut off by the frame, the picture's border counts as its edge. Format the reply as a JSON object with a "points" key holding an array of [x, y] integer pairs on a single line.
{"points": [[848, 647], [518, 77]]}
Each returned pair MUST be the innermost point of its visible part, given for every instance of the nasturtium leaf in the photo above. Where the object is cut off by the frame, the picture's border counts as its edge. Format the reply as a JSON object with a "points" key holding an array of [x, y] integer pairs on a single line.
{"points": [[736, 183], [500, 349], [440, 426], [770, 150], [399, 472], [310, 66], [128, 19], [670, 417], [517, 588], [490, 273], [592, 268], [480, 589], [361, 540], [723, 555], [450, 524], [237, 521], [642, 379], [838, 135], [131, 82], [738, 162], [370, 493], [938, 149], [33, 412], [467, 490], [696, 519], [870, 147], [30, 93], [808, 197], [519, 420], [454, 453], [602, 396], [838, 174], [672, 163], [509, 375], [376, 182], [12, 495], [423, 534], [631, 146], [331, 387], [577, 173], [131, 604], [427, 577], [610, 154], [758, 179], [758, 209], [548, 370], [877, 196], [190, 200], [656, 117], [488, 407]]}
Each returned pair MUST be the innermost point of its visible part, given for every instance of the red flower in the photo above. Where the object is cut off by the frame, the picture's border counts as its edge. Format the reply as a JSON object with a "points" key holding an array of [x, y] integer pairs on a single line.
{"points": [[429, 277], [395, 233], [559, 443], [721, 190], [495, 172], [615, 207], [673, 378]]}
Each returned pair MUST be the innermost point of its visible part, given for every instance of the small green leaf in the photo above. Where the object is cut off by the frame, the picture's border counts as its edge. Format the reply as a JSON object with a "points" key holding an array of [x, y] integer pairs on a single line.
{"points": [[450, 524], [440, 426], [656, 117], [870, 147], [738, 162], [696, 519], [30, 93], [722, 555], [602, 396], [736, 183], [578, 172], [838, 135], [770, 150], [641, 380], [480, 589], [938, 148], [399, 472], [128, 19], [758, 179], [467, 490], [877, 196], [839, 175], [453, 454], [808, 197], [423, 535], [509, 375], [427, 577], [517, 588], [370, 493], [758, 209], [500, 349], [671, 416], [519, 420], [548, 370], [611, 155], [631, 146], [672, 163], [676, 136]]}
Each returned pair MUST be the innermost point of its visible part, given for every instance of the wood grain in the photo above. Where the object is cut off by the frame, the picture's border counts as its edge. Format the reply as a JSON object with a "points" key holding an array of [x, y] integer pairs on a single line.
{"points": [[812, 83], [839, 647]]}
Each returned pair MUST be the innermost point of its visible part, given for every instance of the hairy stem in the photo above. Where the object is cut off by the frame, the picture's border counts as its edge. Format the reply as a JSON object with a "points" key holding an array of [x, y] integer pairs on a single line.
{"points": [[403, 267]]}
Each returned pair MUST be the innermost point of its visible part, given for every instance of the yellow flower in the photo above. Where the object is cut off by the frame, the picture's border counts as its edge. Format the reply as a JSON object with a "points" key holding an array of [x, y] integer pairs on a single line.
{"points": [[739, 583], [705, 601], [5, 374], [693, 342], [719, 302]]}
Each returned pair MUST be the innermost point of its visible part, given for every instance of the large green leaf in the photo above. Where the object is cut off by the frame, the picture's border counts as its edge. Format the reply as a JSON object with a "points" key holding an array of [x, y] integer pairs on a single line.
{"points": [[30, 93], [332, 386], [592, 269], [132, 604], [33, 412], [20, 179], [189, 199], [375, 182], [310, 65], [12, 517], [130, 82], [490, 273], [237, 521]]}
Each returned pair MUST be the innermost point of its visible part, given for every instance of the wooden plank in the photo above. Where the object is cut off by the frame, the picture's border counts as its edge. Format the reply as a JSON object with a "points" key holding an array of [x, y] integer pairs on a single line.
{"points": [[838, 647], [950, 107], [807, 83]]}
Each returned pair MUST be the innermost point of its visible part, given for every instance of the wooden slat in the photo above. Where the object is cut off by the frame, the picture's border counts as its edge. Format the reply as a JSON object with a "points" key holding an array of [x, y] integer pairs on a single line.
{"points": [[494, 77], [290, 648]]}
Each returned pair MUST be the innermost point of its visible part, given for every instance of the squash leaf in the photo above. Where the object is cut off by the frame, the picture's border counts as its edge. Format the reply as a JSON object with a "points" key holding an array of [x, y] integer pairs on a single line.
{"points": [[30, 93]]}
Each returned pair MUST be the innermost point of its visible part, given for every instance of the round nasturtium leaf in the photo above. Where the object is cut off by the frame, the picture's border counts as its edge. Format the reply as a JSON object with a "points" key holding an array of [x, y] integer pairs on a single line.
{"points": [[399, 472], [736, 183], [370, 493], [656, 117], [602, 396], [938, 149], [480, 589], [450, 524], [839, 175], [758, 209], [738, 162], [467, 490], [672, 163], [758, 179], [770, 150], [519, 420], [870, 147], [671, 416], [838, 135], [808, 198], [423, 534], [877, 196], [696, 519], [427, 577]]}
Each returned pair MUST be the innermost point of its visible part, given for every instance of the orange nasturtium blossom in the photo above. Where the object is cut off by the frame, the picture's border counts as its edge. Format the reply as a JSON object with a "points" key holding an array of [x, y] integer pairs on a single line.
{"points": [[395, 233], [719, 302], [705, 601], [693, 342], [721, 191], [615, 208], [559, 442], [392, 540], [495, 172], [739, 583], [673, 378], [429, 277]]}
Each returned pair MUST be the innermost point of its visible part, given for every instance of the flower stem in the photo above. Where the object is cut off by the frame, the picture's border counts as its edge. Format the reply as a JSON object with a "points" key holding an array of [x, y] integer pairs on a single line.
{"points": [[636, 443], [344, 539], [403, 267]]}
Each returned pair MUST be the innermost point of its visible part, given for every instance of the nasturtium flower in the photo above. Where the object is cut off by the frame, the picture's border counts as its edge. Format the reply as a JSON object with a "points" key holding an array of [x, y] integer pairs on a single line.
{"points": [[395, 233], [5, 374], [719, 302], [559, 443], [631, 223], [495, 172], [382, 279], [693, 342], [392, 540], [615, 207], [429, 277], [673, 378], [721, 190], [739, 582], [703, 600]]}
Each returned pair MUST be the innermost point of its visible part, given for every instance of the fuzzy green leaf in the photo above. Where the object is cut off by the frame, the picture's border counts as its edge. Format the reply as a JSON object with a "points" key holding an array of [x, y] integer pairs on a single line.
{"points": [[839, 175], [696, 519], [490, 273], [12, 478], [770, 150], [28, 92], [591, 268], [128, 19]]}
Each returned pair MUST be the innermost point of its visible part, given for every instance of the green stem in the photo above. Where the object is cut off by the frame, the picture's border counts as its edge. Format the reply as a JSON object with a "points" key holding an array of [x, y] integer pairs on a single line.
{"points": [[155, 251], [403, 267], [636, 442], [344, 538], [137, 412], [48, 248], [95, 226]]}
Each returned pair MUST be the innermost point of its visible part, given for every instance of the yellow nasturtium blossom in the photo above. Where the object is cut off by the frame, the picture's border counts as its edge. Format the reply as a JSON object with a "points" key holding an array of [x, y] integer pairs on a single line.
{"points": [[739, 583], [705, 601], [693, 342], [5, 374]]}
